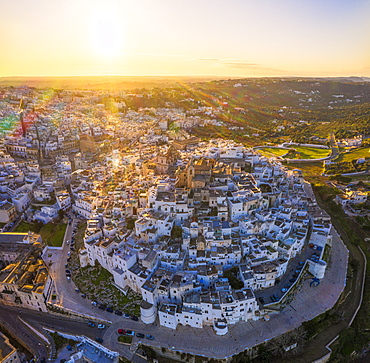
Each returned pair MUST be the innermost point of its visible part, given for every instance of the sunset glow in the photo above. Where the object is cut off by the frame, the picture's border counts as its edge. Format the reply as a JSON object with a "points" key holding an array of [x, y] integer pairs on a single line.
{"points": [[221, 38]]}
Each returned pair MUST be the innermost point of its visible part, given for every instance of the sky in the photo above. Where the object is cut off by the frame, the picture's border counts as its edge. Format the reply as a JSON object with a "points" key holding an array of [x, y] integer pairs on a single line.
{"points": [[235, 38]]}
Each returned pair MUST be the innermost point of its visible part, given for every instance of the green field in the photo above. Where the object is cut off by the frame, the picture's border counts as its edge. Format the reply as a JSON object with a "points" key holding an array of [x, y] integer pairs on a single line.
{"points": [[354, 155], [52, 234], [304, 152], [312, 152], [272, 151]]}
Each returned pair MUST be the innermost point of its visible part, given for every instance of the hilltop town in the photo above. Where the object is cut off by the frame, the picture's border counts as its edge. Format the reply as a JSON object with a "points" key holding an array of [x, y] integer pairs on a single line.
{"points": [[209, 233]]}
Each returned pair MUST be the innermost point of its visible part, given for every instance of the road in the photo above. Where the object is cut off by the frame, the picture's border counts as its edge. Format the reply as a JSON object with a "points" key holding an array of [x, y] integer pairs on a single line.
{"points": [[38, 320], [334, 147], [9, 318]]}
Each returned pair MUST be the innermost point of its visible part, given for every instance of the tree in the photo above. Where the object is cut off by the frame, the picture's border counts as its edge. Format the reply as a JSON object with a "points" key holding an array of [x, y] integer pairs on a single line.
{"points": [[176, 232], [61, 214], [130, 223]]}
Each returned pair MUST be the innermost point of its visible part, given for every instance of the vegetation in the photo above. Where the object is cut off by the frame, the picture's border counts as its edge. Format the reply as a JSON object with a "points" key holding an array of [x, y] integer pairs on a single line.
{"points": [[296, 152], [272, 151], [97, 283], [354, 154], [52, 234], [232, 274], [125, 339], [60, 341], [176, 232], [130, 223]]}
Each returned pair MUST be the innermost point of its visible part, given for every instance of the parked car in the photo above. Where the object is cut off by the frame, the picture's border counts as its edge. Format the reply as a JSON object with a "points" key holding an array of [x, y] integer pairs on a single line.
{"points": [[102, 306], [126, 316], [284, 289], [150, 337], [134, 318], [99, 340], [94, 303], [140, 335], [130, 332], [101, 326], [68, 278], [121, 331], [68, 271], [83, 296], [118, 312], [261, 299], [292, 280], [91, 324], [77, 290], [109, 309]]}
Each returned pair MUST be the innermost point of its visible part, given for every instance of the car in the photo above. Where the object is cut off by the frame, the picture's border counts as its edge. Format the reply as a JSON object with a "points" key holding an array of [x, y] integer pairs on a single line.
{"points": [[134, 318], [69, 253], [140, 335], [99, 340], [83, 296], [68, 259], [118, 312], [67, 241], [301, 263], [126, 316], [66, 265], [68, 271], [275, 297], [130, 332], [101, 326], [77, 290], [72, 248], [295, 276], [91, 324], [68, 278], [102, 306], [292, 280], [261, 299], [95, 303], [121, 331], [109, 309], [150, 337], [284, 289]]}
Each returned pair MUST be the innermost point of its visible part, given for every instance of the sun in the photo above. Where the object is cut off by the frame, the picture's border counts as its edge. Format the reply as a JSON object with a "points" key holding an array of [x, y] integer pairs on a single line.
{"points": [[106, 34]]}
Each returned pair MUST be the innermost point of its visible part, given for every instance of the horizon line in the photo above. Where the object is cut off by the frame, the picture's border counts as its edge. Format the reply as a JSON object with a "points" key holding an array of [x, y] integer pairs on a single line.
{"points": [[180, 76]]}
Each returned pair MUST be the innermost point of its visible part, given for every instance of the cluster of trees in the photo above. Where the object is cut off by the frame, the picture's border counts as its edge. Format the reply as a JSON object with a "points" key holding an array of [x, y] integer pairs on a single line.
{"points": [[347, 167], [233, 275], [340, 168]]}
